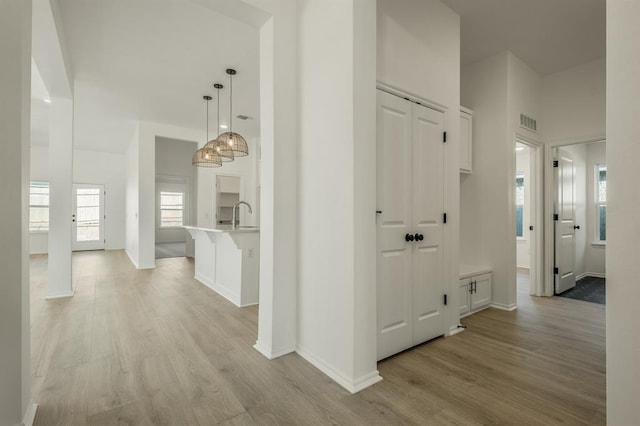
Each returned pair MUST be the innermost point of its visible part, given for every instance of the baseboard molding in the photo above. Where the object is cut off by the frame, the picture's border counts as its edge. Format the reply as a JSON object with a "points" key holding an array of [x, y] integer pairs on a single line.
{"points": [[352, 385], [60, 295], [30, 415], [222, 291], [502, 307], [131, 259], [455, 330], [594, 274], [273, 354]]}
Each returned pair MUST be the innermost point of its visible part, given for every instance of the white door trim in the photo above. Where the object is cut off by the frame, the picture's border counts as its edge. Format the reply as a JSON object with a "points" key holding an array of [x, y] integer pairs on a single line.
{"points": [[549, 195], [99, 244], [536, 216]]}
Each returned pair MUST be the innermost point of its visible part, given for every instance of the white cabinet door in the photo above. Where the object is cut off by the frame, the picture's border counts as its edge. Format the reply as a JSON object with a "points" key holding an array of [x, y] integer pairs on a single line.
{"points": [[466, 132], [394, 199], [410, 194], [481, 295], [465, 296], [428, 208]]}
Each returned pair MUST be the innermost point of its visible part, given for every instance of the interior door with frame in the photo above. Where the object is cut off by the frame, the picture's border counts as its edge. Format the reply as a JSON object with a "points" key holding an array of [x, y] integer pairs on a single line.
{"points": [[394, 254], [564, 225], [88, 217], [410, 198]]}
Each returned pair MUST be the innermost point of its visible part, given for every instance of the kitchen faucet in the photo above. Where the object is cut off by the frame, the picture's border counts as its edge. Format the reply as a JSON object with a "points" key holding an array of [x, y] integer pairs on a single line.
{"points": [[236, 209]]}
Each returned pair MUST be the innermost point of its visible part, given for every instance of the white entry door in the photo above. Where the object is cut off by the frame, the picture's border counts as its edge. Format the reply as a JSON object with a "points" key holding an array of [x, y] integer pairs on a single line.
{"points": [[88, 217], [564, 225], [410, 202]]}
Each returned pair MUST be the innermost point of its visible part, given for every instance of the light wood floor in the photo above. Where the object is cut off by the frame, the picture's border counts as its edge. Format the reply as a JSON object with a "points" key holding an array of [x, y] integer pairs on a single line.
{"points": [[156, 347]]}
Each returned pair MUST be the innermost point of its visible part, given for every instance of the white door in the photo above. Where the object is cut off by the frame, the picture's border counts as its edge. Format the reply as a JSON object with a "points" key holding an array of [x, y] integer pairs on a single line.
{"points": [[394, 201], [428, 209], [88, 217], [410, 199], [564, 225]]}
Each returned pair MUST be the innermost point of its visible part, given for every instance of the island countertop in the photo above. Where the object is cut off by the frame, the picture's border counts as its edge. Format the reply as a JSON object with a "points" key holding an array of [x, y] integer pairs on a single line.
{"points": [[225, 229]]}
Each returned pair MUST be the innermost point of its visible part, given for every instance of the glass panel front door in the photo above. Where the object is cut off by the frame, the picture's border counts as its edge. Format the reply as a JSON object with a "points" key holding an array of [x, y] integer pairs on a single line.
{"points": [[88, 217]]}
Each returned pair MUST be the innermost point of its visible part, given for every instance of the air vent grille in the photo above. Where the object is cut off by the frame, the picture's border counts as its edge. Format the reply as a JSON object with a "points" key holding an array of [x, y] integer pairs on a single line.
{"points": [[244, 117], [528, 123]]}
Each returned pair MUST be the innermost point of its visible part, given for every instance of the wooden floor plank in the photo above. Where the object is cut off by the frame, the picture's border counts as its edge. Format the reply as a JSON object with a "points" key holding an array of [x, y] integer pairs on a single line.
{"points": [[157, 347]]}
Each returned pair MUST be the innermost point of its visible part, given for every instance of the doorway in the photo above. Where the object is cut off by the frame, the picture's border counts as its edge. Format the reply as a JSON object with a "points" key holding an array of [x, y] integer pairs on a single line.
{"points": [[88, 217], [579, 220], [527, 191]]}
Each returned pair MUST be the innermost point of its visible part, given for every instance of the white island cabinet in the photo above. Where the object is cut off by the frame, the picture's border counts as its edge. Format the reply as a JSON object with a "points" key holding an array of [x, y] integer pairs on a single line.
{"points": [[227, 261]]}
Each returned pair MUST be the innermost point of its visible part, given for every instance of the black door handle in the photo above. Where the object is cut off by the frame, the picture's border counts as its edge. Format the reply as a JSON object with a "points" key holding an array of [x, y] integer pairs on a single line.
{"points": [[576, 227], [419, 237], [408, 237]]}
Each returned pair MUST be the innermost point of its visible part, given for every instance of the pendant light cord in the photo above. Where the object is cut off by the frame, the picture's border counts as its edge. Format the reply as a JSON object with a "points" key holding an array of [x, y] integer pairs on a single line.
{"points": [[230, 103], [206, 141], [218, 123]]}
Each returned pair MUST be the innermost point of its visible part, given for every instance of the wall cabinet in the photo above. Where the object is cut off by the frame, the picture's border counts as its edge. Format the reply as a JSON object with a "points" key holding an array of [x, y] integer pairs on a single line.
{"points": [[475, 292], [466, 137]]}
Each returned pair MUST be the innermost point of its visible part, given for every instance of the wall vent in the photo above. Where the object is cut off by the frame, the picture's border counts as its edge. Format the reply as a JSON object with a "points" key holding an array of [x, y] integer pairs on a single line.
{"points": [[244, 117], [528, 123]]}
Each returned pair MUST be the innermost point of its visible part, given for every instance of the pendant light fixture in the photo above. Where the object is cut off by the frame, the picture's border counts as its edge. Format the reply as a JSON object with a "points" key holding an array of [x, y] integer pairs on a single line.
{"points": [[224, 151], [206, 156], [233, 140]]}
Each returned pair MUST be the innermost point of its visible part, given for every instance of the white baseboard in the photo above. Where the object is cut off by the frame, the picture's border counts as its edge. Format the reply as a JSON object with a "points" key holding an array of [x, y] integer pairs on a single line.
{"points": [[352, 385], [221, 290], [269, 354], [455, 330], [595, 274], [581, 276], [502, 307], [60, 295], [30, 415]]}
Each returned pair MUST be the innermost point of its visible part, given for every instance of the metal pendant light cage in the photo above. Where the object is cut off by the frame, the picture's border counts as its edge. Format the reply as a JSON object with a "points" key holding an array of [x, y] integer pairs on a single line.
{"points": [[206, 156], [224, 152]]}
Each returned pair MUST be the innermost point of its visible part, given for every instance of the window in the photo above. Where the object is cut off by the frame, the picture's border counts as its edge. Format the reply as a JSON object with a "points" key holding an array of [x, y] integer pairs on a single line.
{"points": [[39, 207], [519, 203], [171, 209], [601, 202]]}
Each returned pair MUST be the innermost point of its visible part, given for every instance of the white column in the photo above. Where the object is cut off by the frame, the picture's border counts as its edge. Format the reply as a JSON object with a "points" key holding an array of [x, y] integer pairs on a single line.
{"points": [[60, 283], [15, 82], [278, 199], [623, 197]]}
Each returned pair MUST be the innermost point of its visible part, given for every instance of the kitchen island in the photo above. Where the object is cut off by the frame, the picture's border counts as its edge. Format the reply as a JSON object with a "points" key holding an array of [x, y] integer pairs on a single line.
{"points": [[227, 261]]}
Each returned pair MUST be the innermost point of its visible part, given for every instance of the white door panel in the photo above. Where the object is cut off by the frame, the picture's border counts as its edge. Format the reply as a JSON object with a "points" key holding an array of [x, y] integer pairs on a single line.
{"points": [[428, 208], [88, 217], [564, 231], [394, 200], [410, 198]]}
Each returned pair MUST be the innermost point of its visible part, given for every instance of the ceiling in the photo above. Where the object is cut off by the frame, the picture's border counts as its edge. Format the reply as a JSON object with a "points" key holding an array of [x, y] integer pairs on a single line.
{"points": [[153, 61], [549, 35]]}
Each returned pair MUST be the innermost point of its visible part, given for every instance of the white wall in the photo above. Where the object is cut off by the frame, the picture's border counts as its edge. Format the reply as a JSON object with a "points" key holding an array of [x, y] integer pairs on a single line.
{"points": [[498, 89], [595, 254], [579, 154], [336, 322], [573, 103], [15, 80], [173, 164], [419, 54], [523, 244], [623, 229], [132, 199], [91, 167], [484, 225]]}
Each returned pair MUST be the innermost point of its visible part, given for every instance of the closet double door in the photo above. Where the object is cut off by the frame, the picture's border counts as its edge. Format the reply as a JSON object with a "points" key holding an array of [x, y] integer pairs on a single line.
{"points": [[410, 224]]}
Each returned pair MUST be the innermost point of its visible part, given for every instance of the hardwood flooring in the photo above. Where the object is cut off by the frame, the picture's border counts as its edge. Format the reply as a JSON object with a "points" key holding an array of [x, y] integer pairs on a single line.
{"points": [[157, 347]]}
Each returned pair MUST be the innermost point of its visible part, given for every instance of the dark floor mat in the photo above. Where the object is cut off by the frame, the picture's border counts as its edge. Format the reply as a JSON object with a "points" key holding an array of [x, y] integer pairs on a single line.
{"points": [[589, 289]]}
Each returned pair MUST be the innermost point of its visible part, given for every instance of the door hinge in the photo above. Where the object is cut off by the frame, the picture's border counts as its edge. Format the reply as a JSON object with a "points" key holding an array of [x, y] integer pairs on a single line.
{"points": [[444, 137], [445, 299], [555, 163], [444, 218], [555, 216], [556, 270]]}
